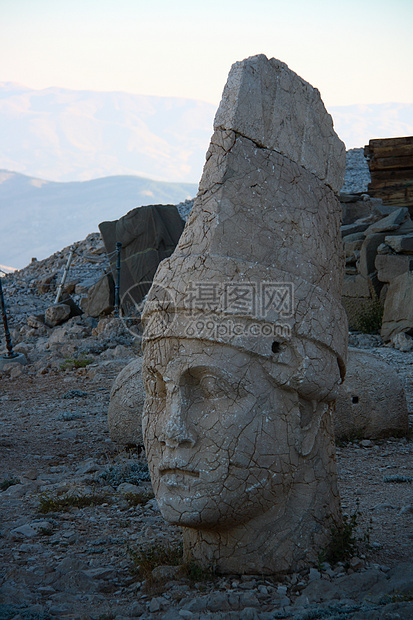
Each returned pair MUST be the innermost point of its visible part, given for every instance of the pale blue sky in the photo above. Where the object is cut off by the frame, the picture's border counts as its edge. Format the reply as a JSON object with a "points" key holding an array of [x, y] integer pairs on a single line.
{"points": [[353, 51]]}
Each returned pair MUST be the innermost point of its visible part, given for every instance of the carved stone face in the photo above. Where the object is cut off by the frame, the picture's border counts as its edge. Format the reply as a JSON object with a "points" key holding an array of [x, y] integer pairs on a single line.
{"points": [[221, 438]]}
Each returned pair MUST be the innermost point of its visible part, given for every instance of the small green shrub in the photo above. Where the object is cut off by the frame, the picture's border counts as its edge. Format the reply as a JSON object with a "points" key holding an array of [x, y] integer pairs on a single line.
{"points": [[196, 572], [368, 320], [75, 363], [9, 482], [49, 503], [146, 559], [345, 541]]}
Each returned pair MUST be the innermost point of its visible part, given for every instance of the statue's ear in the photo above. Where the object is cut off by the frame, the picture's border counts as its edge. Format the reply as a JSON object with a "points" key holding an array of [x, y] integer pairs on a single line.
{"points": [[311, 414]]}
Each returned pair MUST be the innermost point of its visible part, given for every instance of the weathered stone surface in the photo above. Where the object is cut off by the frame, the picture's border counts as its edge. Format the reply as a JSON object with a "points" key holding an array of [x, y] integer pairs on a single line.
{"points": [[371, 402], [358, 208], [368, 253], [350, 247], [400, 243], [402, 342], [126, 405], [390, 266], [100, 297], [398, 307], [356, 286], [359, 236], [391, 222], [148, 234], [254, 102], [57, 314], [238, 327], [353, 229]]}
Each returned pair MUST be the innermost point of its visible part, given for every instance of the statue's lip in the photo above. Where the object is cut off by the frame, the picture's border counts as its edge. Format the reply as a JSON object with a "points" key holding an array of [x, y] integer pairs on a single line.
{"points": [[179, 471]]}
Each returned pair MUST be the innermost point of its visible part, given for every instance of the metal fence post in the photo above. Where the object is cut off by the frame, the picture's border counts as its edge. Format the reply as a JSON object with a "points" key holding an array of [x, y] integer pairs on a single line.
{"points": [[65, 272]]}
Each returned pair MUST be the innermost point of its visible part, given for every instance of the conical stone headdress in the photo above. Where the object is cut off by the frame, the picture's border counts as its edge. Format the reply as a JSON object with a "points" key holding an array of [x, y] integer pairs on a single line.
{"points": [[260, 259]]}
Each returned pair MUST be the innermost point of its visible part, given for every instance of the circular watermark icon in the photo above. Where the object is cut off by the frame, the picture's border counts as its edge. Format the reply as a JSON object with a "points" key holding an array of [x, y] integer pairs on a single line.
{"points": [[157, 305]]}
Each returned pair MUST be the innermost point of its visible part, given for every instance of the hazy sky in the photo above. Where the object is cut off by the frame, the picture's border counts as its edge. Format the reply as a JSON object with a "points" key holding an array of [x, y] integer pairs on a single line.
{"points": [[353, 51]]}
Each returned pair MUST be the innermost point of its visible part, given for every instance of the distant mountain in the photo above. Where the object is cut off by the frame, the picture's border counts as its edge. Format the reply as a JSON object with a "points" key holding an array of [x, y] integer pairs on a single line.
{"points": [[67, 135], [39, 217]]}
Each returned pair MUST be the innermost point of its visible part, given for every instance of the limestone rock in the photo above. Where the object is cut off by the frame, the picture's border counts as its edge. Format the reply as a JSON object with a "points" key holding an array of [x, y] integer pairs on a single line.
{"points": [[126, 405], [400, 243], [100, 298], [353, 229], [57, 314], [356, 286], [402, 342], [239, 326], [371, 401], [398, 307], [368, 253], [390, 266], [391, 222], [355, 208]]}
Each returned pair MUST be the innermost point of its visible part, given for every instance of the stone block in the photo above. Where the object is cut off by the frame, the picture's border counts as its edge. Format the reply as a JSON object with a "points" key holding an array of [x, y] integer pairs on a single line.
{"points": [[356, 286], [351, 248], [390, 266], [359, 208], [371, 402], [391, 222], [126, 404], [400, 243], [398, 307], [56, 314], [352, 238], [100, 298], [368, 253], [352, 229]]}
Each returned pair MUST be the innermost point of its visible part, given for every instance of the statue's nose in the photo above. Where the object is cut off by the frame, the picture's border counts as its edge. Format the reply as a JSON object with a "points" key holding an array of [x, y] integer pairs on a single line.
{"points": [[177, 431]]}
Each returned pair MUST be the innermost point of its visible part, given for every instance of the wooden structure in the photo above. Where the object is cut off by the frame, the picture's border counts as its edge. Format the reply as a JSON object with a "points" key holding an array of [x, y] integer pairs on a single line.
{"points": [[391, 168]]}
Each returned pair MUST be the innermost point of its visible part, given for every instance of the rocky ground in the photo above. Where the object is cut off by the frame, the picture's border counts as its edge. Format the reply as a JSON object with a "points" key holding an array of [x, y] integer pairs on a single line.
{"points": [[77, 517], [357, 175]]}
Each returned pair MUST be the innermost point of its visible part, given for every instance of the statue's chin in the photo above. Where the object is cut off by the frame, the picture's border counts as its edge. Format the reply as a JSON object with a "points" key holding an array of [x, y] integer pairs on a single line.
{"points": [[205, 515]]}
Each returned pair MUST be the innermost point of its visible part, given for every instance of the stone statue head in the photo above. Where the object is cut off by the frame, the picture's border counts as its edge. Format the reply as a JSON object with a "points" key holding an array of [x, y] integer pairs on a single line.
{"points": [[245, 344]]}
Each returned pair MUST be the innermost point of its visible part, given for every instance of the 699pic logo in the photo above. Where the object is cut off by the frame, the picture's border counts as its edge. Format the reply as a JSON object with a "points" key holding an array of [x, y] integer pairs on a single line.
{"points": [[135, 300]]}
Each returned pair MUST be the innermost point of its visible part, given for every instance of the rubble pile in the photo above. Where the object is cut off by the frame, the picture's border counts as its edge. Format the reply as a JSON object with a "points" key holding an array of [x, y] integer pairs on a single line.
{"points": [[30, 294]]}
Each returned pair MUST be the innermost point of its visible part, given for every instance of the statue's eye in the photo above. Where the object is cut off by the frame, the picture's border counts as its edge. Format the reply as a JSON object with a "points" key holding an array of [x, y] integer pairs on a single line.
{"points": [[155, 385], [213, 387]]}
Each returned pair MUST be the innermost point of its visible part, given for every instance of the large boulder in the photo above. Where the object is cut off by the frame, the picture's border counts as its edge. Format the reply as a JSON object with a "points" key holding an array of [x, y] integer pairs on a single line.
{"points": [[398, 307], [126, 404], [390, 266], [371, 401], [100, 297]]}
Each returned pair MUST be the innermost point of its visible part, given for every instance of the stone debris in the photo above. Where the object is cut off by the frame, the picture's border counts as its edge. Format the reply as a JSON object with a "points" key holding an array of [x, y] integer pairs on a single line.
{"points": [[378, 246], [398, 307], [371, 402], [126, 405]]}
